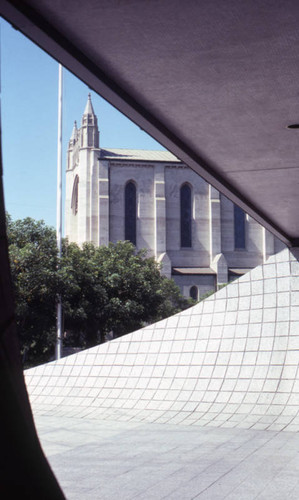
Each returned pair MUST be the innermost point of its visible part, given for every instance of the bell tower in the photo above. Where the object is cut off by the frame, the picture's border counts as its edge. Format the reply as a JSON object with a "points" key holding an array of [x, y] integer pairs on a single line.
{"points": [[82, 180], [89, 127]]}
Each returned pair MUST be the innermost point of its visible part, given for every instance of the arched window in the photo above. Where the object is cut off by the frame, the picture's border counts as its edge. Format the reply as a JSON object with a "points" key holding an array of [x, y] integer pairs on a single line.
{"points": [[186, 216], [194, 292], [239, 228], [74, 202], [130, 212]]}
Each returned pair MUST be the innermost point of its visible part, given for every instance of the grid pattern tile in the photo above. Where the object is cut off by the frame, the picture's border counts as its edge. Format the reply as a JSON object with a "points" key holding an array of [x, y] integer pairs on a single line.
{"points": [[229, 361]]}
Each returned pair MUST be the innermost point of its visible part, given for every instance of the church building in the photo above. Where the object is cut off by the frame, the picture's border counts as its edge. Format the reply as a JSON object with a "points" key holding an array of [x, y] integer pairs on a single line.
{"points": [[157, 202]]}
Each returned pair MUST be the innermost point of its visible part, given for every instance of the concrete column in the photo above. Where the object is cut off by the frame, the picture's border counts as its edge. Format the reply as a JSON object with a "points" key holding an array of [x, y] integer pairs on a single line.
{"points": [[160, 211], [103, 203], [268, 245], [83, 215], [256, 240], [217, 260], [94, 205], [160, 220], [215, 223]]}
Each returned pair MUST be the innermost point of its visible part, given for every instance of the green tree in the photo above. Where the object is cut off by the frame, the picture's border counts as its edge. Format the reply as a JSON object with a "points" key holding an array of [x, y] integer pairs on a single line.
{"points": [[114, 289], [104, 289], [83, 293], [33, 261]]}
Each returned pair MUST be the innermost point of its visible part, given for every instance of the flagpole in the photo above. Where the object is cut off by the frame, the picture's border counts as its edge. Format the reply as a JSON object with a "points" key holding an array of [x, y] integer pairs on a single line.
{"points": [[59, 337]]}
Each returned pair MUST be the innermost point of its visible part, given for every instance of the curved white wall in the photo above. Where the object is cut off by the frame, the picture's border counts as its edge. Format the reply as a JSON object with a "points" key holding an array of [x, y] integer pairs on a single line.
{"points": [[230, 361]]}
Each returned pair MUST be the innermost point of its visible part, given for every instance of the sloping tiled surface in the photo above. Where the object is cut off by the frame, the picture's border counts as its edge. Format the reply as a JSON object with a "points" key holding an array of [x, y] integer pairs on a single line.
{"points": [[230, 361]]}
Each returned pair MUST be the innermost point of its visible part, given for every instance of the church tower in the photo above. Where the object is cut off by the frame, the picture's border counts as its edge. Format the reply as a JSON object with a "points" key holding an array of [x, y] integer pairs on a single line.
{"points": [[89, 127], [81, 224], [158, 203]]}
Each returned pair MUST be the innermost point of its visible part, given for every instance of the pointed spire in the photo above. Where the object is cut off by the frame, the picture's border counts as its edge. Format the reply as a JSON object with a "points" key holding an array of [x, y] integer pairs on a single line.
{"points": [[74, 132], [89, 130], [89, 108]]}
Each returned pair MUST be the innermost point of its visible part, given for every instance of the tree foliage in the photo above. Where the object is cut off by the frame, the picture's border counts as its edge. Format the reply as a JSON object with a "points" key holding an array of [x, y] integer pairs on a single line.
{"points": [[104, 290], [33, 262], [114, 289]]}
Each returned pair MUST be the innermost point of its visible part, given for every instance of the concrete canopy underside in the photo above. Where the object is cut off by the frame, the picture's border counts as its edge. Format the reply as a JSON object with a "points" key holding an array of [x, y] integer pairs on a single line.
{"points": [[215, 82]]}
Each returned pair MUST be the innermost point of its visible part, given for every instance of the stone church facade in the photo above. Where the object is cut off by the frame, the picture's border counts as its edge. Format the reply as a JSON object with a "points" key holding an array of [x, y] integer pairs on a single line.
{"points": [[152, 199]]}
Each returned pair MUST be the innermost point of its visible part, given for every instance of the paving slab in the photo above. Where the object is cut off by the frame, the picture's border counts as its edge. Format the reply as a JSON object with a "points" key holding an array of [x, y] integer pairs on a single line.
{"points": [[100, 459]]}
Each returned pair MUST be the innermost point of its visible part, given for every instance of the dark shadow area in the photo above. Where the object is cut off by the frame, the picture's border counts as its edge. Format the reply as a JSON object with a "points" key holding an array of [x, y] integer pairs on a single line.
{"points": [[24, 470]]}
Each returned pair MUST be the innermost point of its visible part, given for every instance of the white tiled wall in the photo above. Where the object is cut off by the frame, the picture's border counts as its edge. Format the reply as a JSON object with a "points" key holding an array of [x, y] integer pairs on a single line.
{"points": [[230, 361]]}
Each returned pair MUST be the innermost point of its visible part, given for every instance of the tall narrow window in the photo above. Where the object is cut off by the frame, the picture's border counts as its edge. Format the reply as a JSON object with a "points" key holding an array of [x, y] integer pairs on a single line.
{"points": [[194, 292], [186, 216], [130, 212], [74, 201], [239, 228]]}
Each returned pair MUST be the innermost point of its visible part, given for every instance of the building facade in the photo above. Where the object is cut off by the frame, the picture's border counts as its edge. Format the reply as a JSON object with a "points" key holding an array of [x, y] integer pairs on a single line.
{"points": [[151, 198]]}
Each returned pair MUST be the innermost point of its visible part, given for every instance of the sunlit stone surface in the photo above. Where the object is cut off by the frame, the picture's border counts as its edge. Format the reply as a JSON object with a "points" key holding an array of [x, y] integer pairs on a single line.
{"points": [[106, 459], [230, 361]]}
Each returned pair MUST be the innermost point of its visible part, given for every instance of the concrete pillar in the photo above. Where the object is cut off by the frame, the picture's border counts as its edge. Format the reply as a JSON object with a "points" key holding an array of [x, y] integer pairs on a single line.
{"points": [[103, 202], [94, 205], [160, 220], [160, 211], [215, 223], [217, 260], [83, 215]]}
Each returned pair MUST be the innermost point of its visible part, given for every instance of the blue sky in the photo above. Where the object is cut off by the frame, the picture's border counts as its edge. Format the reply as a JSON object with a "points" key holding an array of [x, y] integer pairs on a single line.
{"points": [[29, 89]]}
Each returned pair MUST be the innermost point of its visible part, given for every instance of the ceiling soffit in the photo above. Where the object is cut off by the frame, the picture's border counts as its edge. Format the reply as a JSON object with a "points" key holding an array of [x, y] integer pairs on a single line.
{"points": [[215, 82]]}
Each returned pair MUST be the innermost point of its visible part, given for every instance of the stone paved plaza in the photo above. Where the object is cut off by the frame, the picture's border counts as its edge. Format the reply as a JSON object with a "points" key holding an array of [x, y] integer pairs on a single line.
{"points": [[107, 460]]}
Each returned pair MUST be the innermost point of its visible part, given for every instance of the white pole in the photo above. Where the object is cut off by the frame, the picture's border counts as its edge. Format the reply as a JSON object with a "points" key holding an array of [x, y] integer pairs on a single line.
{"points": [[59, 338]]}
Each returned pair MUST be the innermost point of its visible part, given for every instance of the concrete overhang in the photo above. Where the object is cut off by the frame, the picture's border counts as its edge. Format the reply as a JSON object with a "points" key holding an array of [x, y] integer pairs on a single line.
{"points": [[192, 271], [215, 82]]}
